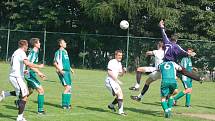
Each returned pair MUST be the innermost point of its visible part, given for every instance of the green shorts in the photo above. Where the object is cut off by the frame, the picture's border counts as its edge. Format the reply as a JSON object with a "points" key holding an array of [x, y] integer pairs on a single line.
{"points": [[167, 88], [187, 84], [32, 81], [65, 78]]}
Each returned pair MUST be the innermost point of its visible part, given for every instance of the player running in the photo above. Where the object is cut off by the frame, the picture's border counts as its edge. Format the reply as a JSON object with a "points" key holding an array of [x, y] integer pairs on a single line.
{"points": [[16, 76], [113, 84], [155, 75], [168, 85], [186, 81], [62, 65], [30, 77]]}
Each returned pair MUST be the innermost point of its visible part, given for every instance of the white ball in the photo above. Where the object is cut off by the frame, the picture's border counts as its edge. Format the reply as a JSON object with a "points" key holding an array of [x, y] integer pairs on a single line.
{"points": [[124, 24]]}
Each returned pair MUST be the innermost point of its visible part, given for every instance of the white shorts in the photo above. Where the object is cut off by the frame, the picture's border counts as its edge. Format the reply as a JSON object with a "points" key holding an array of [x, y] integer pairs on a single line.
{"points": [[155, 75], [19, 86], [150, 69], [112, 86]]}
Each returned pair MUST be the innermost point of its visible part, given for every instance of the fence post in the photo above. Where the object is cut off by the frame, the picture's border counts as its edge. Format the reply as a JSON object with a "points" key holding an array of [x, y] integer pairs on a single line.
{"points": [[8, 39], [44, 46], [126, 65], [84, 50]]}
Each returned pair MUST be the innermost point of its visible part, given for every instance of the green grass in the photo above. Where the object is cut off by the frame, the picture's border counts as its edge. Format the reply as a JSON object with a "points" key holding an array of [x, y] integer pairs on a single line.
{"points": [[90, 99]]}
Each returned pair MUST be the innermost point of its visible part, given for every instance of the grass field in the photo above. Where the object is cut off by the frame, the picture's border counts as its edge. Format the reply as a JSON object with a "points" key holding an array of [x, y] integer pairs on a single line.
{"points": [[90, 99]]}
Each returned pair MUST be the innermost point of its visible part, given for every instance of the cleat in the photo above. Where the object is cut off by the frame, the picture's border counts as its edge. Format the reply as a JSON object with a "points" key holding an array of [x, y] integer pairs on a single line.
{"points": [[112, 108], [41, 113], [188, 106], [20, 119], [2, 96], [135, 98], [66, 107], [174, 102], [134, 88], [123, 114]]}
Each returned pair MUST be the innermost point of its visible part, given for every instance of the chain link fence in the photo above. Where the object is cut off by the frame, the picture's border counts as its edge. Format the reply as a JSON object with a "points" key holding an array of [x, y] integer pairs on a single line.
{"points": [[93, 51]]}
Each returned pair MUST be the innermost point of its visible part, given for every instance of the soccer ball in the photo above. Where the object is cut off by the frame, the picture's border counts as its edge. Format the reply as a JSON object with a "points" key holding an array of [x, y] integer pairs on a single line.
{"points": [[124, 24]]}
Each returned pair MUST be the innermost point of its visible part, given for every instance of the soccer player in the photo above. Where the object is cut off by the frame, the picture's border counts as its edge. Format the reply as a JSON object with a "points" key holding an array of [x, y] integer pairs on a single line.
{"points": [[159, 54], [62, 65], [30, 77], [16, 76], [155, 75], [173, 51], [113, 84], [187, 82], [168, 85]]}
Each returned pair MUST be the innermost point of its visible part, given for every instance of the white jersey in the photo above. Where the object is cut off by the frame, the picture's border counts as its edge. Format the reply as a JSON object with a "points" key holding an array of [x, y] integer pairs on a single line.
{"points": [[159, 55], [115, 66], [17, 63]]}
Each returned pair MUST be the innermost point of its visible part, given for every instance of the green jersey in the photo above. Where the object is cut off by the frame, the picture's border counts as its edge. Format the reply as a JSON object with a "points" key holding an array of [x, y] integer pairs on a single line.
{"points": [[168, 71], [187, 64], [33, 57], [62, 59]]}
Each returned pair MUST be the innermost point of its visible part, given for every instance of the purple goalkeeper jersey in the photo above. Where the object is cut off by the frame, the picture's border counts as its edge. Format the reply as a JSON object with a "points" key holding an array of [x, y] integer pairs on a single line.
{"points": [[172, 50]]}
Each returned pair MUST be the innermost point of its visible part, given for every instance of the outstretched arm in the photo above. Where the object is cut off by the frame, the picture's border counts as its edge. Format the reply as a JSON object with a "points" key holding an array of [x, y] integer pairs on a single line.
{"points": [[164, 36]]}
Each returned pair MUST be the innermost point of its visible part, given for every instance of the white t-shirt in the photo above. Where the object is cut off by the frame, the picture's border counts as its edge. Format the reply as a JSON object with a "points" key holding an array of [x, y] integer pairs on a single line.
{"points": [[159, 55], [115, 66], [17, 63]]}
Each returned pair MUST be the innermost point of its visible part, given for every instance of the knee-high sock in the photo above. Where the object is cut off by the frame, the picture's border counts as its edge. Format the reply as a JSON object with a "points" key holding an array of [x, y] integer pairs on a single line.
{"points": [[120, 105], [40, 101], [164, 106], [188, 95], [144, 90], [21, 106], [179, 95], [138, 76], [170, 103], [64, 102], [68, 99]]}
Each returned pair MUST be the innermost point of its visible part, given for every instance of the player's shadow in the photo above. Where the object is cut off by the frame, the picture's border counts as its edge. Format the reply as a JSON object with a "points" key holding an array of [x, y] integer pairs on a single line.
{"points": [[148, 112], [7, 116], [50, 81], [93, 109], [205, 107], [10, 107], [50, 104], [155, 103]]}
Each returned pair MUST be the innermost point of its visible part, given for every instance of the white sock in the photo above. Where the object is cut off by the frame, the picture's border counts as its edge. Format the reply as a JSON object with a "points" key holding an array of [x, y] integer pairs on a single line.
{"points": [[6, 94], [140, 95], [20, 116], [137, 85], [121, 109]]}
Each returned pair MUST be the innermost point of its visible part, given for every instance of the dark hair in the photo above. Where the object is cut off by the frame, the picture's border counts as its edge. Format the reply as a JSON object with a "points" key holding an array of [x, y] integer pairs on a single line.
{"points": [[22, 43], [34, 41], [118, 51], [189, 49], [174, 37], [160, 44]]}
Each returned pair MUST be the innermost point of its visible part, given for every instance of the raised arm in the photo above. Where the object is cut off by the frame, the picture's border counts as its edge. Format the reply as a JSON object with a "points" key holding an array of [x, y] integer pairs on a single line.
{"points": [[164, 36]]}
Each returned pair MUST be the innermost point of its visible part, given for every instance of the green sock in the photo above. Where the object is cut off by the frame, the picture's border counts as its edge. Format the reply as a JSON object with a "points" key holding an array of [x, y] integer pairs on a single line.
{"points": [[164, 106], [68, 99], [188, 95], [64, 101], [40, 101], [170, 102], [179, 95]]}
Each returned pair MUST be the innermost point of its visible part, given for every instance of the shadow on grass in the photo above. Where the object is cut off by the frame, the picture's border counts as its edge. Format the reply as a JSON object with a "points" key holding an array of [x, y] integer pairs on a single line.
{"points": [[7, 116], [10, 107], [155, 103], [93, 109], [205, 107], [148, 112], [50, 104], [49, 81]]}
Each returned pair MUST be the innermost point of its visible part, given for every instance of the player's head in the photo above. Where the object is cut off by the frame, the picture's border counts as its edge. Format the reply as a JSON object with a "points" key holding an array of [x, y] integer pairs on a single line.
{"points": [[35, 42], [160, 45], [174, 38], [61, 43], [118, 55], [23, 44], [189, 50]]}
